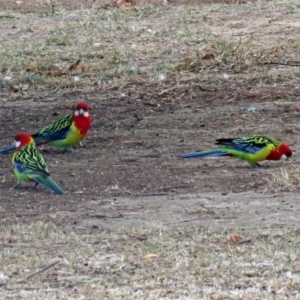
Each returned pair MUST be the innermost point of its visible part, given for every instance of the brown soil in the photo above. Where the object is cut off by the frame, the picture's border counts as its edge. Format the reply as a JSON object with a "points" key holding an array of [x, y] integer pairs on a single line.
{"points": [[129, 172]]}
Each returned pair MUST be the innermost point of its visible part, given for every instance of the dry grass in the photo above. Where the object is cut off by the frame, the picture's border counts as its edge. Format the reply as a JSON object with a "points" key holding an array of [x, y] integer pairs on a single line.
{"points": [[51, 5], [191, 263], [118, 47], [283, 180]]}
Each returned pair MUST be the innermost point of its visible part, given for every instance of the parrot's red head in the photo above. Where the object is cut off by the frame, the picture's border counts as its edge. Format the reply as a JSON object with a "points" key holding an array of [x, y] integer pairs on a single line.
{"points": [[22, 139], [285, 151], [82, 118], [82, 109]]}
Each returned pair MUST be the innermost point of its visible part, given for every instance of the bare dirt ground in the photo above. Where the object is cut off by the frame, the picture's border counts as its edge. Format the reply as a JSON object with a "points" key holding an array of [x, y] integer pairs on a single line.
{"points": [[154, 93]]}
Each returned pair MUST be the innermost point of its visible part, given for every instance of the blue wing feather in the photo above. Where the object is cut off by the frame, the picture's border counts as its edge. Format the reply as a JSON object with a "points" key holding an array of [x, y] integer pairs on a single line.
{"points": [[55, 131], [251, 145], [247, 148], [46, 137], [20, 167], [248, 145]]}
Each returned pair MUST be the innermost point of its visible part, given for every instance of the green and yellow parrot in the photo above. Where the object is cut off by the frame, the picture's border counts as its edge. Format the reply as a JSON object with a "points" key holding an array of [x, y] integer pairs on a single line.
{"points": [[253, 149], [67, 131], [29, 164]]}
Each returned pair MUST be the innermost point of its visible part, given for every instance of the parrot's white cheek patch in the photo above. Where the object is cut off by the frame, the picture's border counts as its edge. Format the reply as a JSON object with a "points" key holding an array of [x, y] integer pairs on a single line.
{"points": [[283, 157], [17, 144], [76, 113], [86, 114]]}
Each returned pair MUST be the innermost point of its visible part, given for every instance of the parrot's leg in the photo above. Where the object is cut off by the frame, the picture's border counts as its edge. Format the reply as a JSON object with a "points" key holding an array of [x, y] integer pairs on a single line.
{"points": [[260, 166], [67, 150], [17, 185], [36, 184]]}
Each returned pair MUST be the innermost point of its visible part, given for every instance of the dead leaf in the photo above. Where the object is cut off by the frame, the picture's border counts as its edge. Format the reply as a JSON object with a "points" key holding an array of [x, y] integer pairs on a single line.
{"points": [[13, 88], [234, 239], [56, 73], [24, 87], [74, 66], [120, 2], [208, 56], [148, 257]]}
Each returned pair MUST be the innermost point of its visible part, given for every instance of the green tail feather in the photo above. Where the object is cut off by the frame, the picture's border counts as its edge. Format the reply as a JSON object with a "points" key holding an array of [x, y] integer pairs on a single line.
{"points": [[49, 183]]}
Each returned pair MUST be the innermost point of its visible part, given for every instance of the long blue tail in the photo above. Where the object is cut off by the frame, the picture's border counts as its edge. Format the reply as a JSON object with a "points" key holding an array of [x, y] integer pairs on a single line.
{"points": [[49, 183], [216, 152], [8, 150]]}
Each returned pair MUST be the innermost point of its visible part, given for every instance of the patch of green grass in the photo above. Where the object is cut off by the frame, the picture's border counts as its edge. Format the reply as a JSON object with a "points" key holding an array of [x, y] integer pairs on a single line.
{"points": [[6, 16], [60, 38]]}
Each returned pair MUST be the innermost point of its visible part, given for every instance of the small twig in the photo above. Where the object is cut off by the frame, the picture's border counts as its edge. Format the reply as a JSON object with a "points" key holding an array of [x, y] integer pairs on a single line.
{"points": [[191, 220], [289, 63], [245, 242], [185, 86], [169, 90], [151, 155], [41, 271], [154, 194], [175, 187], [185, 221], [94, 214], [204, 89]]}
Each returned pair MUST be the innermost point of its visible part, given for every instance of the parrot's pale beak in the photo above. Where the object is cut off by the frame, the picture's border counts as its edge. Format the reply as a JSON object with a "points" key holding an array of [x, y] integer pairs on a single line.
{"points": [[17, 144], [81, 112], [283, 157]]}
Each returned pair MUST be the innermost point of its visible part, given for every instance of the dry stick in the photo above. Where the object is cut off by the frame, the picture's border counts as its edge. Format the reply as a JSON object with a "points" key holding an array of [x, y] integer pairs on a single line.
{"points": [[289, 63], [190, 220], [154, 194], [41, 271], [94, 214]]}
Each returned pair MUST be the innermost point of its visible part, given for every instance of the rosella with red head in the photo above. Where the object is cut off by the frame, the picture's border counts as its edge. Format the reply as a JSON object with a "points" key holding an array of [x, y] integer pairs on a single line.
{"points": [[253, 149], [29, 164], [64, 133]]}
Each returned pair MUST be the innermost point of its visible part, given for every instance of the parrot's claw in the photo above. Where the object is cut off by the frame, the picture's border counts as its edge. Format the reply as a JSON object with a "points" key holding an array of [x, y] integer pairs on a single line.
{"points": [[261, 166], [17, 185]]}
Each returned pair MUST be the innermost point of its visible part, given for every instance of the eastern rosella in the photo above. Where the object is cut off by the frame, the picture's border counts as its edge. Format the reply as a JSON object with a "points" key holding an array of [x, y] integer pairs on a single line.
{"points": [[253, 149], [67, 131], [29, 164]]}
